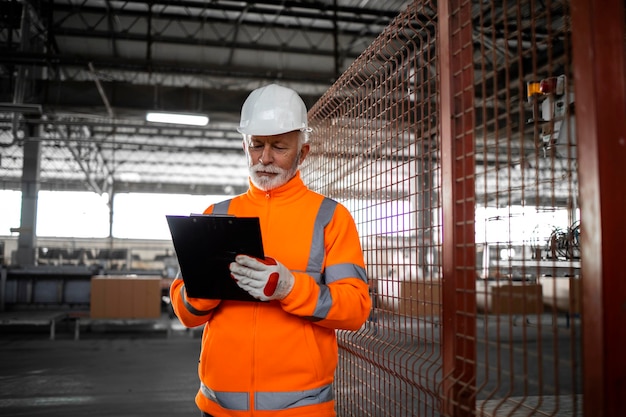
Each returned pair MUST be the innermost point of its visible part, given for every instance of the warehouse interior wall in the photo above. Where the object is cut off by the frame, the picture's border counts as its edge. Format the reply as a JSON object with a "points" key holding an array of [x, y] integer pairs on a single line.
{"points": [[456, 140]]}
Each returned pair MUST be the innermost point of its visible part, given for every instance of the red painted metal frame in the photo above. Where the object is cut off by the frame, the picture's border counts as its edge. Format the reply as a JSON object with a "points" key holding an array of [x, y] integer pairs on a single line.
{"points": [[457, 162], [600, 76]]}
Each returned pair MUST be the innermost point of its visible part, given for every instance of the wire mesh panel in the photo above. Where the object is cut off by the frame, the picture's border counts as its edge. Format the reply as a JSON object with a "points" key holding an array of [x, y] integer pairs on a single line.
{"points": [[527, 228], [451, 140], [375, 150]]}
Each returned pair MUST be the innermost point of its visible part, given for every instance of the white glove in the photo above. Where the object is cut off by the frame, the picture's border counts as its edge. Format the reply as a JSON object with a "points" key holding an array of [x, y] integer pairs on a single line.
{"points": [[264, 279]]}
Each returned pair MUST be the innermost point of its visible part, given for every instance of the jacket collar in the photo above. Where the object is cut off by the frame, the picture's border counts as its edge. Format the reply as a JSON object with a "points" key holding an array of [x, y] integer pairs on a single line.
{"points": [[291, 188]]}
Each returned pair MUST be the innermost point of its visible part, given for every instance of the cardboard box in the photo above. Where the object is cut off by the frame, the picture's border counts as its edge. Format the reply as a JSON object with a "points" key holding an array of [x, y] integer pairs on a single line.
{"points": [[123, 297], [419, 298], [515, 299]]}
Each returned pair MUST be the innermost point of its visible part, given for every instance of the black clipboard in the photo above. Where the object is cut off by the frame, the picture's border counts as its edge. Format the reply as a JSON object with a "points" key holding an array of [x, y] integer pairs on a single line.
{"points": [[206, 244]]}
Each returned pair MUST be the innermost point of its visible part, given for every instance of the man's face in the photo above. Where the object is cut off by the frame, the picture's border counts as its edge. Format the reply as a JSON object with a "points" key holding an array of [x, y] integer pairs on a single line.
{"points": [[274, 160]]}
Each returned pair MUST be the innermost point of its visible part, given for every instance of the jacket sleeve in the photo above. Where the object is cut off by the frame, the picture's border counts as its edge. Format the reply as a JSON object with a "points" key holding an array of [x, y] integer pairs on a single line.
{"points": [[191, 312], [341, 300]]}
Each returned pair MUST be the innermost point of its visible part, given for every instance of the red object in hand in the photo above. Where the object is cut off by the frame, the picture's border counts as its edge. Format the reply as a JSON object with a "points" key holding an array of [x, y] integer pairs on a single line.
{"points": [[264, 279], [271, 285], [272, 281]]}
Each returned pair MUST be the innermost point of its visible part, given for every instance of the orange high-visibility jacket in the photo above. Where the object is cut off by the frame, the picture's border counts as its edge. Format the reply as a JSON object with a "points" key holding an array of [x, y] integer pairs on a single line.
{"points": [[278, 358]]}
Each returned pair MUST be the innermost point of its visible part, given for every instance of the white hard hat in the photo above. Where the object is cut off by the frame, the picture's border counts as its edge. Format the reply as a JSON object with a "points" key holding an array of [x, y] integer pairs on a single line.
{"points": [[272, 110]]}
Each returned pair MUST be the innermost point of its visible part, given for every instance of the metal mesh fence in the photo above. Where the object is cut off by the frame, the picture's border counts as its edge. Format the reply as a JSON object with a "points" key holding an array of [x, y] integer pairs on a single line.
{"points": [[526, 211], [451, 140]]}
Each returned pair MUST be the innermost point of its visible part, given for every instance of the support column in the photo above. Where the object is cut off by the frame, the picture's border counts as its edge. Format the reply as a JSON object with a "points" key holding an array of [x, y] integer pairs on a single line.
{"points": [[458, 203], [599, 52], [26, 242]]}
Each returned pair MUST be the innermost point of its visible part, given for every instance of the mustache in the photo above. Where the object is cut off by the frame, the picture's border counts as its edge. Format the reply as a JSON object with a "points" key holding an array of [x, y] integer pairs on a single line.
{"points": [[266, 168]]}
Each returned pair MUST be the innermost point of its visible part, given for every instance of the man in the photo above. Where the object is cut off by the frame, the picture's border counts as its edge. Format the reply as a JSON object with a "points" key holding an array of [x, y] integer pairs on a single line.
{"points": [[278, 357]]}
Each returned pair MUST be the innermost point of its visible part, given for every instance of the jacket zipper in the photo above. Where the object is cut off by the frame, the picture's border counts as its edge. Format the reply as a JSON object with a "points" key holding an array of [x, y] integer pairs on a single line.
{"points": [[255, 319]]}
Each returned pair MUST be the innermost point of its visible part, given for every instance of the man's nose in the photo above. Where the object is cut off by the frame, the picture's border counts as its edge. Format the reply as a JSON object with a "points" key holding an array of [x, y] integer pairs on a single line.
{"points": [[266, 157]]}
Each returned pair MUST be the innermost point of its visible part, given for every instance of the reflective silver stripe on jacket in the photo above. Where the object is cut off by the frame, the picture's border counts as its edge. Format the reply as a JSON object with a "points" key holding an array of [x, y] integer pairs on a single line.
{"points": [[316, 258], [229, 400], [221, 207], [341, 271], [188, 305], [269, 401], [316, 254]]}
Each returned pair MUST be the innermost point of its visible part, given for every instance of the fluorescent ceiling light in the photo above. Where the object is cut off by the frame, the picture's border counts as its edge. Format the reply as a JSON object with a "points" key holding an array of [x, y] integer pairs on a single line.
{"points": [[178, 118]]}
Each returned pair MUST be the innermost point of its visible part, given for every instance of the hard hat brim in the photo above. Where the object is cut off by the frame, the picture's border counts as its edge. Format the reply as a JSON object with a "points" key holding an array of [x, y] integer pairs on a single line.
{"points": [[270, 132]]}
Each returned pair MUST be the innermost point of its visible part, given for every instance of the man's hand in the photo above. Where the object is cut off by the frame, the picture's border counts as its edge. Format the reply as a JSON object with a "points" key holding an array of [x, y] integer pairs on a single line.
{"points": [[264, 279]]}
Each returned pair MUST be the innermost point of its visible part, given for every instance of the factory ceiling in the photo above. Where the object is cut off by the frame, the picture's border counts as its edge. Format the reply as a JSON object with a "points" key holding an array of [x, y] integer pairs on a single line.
{"points": [[79, 76], [84, 74]]}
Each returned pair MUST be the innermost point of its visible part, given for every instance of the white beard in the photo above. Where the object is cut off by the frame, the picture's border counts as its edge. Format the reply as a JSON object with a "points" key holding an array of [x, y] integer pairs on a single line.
{"points": [[269, 183]]}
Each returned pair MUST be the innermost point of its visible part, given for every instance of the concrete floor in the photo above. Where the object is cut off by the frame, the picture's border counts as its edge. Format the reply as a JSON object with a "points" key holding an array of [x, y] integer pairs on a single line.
{"points": [[108, 372], [148, 368]]}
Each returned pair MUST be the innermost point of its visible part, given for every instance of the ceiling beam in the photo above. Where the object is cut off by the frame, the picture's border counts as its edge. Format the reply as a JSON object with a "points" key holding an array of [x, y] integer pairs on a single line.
{"points": [[132, 187]]}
